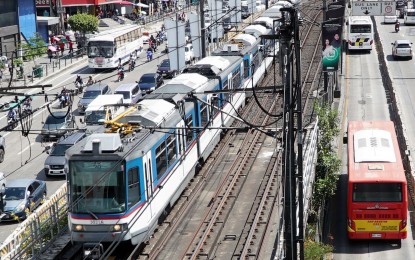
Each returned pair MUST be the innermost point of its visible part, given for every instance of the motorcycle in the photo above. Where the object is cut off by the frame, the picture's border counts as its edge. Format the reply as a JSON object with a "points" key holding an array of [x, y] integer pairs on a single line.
{"points": [[79, 87], [149, 55], [120, 75], [131, 65], [397, 27], [12, 123], [64, 100]]}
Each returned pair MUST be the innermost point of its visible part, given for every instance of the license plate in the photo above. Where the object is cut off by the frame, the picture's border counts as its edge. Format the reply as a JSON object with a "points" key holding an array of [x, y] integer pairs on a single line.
{"points": [[99, 65], [376, 235]]}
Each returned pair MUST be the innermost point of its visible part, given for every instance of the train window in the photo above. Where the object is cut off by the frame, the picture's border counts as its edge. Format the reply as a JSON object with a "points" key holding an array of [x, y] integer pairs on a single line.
{"points": [[204, 117], [189, 130], [215, 103], [133, 187], [171, 148], [236, 79], [161, 159], [246, 68]]}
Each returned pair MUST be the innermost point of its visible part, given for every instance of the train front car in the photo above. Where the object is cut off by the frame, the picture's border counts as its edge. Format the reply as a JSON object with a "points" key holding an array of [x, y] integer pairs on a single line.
{"points": [[113, 176]]}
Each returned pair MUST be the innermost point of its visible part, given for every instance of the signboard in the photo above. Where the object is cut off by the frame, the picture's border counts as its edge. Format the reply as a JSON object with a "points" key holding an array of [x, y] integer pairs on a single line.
{"points": [[380, 8], [42, 3]]}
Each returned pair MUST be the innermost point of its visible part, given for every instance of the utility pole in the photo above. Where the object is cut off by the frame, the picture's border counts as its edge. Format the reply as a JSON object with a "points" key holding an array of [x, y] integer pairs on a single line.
{"points": [[325, 76], [292, 164], [202, 26]]}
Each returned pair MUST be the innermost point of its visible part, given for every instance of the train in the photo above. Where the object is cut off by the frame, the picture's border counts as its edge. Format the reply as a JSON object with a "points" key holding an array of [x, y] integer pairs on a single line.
{"points": [[123, 178]]}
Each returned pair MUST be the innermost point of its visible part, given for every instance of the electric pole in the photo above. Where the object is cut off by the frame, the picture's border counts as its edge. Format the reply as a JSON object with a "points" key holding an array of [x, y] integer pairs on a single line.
{"points": [[202, 26]]}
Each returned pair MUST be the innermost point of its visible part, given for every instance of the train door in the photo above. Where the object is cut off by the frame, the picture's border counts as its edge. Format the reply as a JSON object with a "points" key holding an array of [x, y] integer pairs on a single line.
{"points": [[180, 132], [148, 173]]}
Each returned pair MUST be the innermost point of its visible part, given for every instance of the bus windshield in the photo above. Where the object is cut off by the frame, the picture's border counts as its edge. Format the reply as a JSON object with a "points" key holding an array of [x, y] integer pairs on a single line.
{"points": [[100, 49], [97, 187], [377, 192], [360, 28]]}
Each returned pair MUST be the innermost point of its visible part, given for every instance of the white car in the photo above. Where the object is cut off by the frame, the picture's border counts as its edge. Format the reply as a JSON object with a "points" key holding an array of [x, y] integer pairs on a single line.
{"points": [[402, 49], [188, 53], [3, 183], [390, 19]]}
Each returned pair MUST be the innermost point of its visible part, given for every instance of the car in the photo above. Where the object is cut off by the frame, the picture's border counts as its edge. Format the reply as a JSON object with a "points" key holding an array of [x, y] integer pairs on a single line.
{"points": [[390, 19], [21, 197], [402, 49], [189, 55], [3, 183], [150, 81], [55, 162], [165, 70], [57, 125], [131, 93], [91, 93]]}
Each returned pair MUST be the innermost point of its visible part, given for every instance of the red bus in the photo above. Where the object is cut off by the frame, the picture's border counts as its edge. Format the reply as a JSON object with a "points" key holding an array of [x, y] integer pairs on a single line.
{"points": [[377, 203]]}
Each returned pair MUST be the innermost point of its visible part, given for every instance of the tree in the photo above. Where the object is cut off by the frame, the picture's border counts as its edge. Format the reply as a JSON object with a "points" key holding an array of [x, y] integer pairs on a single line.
{"points": [[34, 48], [83, 23]]}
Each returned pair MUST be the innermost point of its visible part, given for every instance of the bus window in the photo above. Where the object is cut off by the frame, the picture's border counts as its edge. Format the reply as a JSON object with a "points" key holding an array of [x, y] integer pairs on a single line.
{"points": [[377, 192], [360, 28]]}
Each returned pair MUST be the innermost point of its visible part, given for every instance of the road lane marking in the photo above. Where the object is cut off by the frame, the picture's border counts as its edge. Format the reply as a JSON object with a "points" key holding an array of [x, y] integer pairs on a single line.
{"points": [[19, 153]]}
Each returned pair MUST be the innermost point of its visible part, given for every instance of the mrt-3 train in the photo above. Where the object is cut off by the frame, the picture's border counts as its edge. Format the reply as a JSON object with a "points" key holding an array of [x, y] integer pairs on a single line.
{"points": [[122, 182]]}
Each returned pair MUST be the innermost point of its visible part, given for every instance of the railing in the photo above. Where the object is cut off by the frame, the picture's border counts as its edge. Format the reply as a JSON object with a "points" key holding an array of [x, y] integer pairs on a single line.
{"points": [[39, 230]]}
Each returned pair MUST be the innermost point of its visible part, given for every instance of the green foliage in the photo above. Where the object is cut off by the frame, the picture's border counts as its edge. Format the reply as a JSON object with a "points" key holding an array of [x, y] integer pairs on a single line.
{"points": [[328, 163], [315, 250], [35, 47], [17, 62], [83, 23]]}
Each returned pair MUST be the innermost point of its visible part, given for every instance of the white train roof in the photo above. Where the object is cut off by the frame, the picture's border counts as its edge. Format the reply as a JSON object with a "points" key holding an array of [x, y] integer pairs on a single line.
{"points": [[256, 30], [216, 61], [246, 39], [183, 83], [153, 111], [267, 20], [110, 142], [373, 145]]}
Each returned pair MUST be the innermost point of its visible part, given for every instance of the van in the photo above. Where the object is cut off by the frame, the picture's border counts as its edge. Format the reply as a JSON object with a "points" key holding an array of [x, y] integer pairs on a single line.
{"points": [[131, 93], [97, 109], [91, 93], [409, 16], [55, 163]]}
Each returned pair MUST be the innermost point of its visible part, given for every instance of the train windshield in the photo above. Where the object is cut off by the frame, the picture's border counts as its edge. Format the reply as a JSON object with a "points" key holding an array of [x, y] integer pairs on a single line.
{"points": [[96, 187], [377, 192], [100, 49]]}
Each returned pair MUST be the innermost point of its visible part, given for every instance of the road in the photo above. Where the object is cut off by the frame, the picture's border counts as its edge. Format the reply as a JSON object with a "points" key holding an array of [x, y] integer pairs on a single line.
{"points": [[25, 156], [365, 99]]}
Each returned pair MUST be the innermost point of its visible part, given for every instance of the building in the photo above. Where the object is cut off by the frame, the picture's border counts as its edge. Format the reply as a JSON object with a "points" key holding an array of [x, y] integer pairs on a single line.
{"points": [[17, 23]]}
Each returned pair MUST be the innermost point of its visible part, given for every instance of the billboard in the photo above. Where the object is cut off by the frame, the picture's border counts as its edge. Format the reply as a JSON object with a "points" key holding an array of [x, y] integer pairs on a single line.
{"points": [[332, 36]]}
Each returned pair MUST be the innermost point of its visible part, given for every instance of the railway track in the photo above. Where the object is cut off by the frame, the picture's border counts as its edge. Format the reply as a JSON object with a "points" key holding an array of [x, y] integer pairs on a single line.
{"points": [[214, 233]]}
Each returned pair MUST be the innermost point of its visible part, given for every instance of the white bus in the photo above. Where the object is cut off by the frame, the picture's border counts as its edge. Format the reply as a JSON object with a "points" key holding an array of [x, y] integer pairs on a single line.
{"points": [[105, 51], [409, 16], [360, 29]]}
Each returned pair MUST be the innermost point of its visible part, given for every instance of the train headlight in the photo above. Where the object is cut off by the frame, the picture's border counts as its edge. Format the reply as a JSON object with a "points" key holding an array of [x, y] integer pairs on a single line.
{"points": [[79, 227], [116, 227]]}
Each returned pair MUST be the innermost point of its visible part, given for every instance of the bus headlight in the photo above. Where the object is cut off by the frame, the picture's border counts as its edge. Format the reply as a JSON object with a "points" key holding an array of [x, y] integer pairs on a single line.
{"points": [[79, 227]]}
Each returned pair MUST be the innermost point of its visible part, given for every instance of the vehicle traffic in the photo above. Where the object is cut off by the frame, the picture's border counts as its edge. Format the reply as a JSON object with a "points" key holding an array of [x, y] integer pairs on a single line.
{"points": [[402, 49], [56, 125], [165, 70], [108, 50], [102, 106], [23, 196], [377, 198], [91, 93], [409, 16], [361, 34], [150, 81], [55, 162]]}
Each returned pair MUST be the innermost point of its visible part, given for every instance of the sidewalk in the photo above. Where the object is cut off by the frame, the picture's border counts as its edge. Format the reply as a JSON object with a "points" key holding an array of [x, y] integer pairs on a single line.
{"points": [[50, 67]]}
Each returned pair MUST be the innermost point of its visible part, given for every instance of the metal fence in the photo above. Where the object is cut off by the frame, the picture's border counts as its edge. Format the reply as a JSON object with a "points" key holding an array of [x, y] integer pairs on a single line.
{"points": [[39, 230]]}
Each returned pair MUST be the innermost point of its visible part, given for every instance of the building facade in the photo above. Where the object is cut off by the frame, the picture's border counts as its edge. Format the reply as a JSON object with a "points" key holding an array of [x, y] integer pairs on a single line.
{"points": [[17, 23]]}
